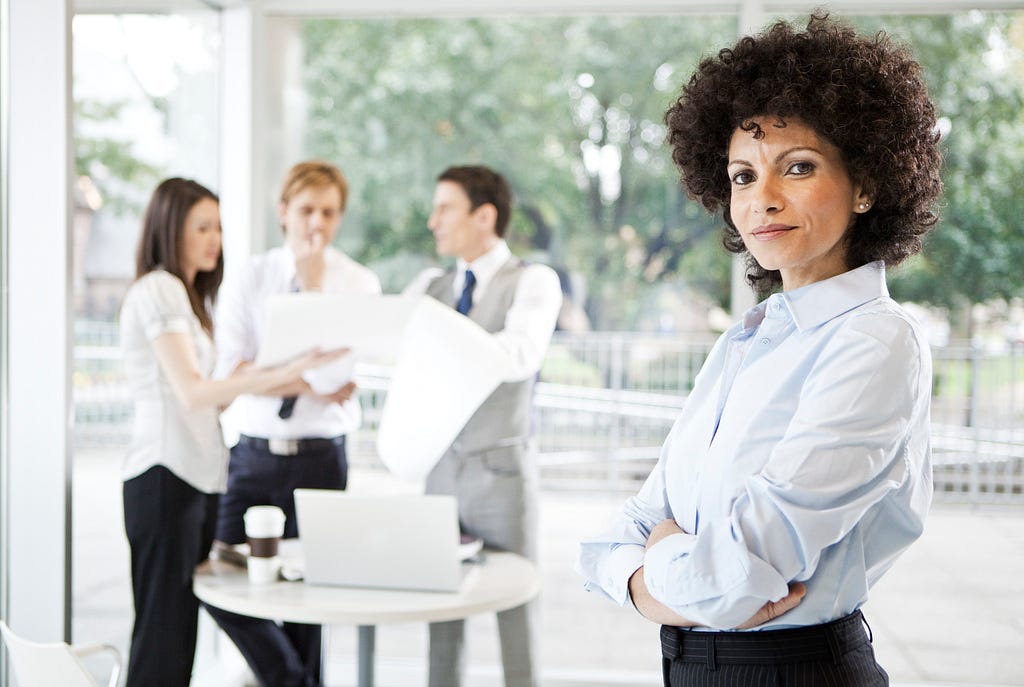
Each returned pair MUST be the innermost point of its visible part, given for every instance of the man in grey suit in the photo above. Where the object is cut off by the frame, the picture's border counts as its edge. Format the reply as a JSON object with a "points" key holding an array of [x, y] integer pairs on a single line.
{"points": [[489, 466]]}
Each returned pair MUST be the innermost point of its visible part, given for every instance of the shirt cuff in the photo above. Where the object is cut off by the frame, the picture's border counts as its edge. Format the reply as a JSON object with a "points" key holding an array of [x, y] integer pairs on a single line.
{"points": [[618, 567], [660, 557]]}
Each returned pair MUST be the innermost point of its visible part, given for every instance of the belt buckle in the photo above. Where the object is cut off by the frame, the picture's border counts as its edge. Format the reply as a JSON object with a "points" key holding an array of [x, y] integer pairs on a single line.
{"points": [[283, 447]]}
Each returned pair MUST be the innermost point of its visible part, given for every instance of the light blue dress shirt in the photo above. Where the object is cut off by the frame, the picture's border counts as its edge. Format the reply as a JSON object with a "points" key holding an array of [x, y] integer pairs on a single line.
{"points": [[802, 454]]}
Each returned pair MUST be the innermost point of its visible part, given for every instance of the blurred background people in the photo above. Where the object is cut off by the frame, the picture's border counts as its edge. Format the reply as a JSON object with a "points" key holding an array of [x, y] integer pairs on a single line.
{"points": [[176, 463], [489, 466], [290, 436]]}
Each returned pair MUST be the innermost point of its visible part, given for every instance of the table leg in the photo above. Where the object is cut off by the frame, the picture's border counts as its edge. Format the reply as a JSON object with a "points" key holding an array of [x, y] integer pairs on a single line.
{"points": [[325, 650], [367, 637]]}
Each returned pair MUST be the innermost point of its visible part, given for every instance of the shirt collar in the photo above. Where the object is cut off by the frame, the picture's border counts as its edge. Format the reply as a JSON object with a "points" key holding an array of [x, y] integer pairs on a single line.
{"points": [[487, 265], [817, 303]]}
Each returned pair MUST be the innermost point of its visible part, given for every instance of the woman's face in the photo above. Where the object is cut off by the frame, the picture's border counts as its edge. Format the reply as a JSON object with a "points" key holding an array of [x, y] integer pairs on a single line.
{"points": [[200, 241], [792, 200]]}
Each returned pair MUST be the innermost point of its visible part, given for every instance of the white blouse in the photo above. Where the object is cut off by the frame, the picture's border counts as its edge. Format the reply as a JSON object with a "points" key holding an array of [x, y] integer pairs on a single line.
{"points": [[188, 443]]}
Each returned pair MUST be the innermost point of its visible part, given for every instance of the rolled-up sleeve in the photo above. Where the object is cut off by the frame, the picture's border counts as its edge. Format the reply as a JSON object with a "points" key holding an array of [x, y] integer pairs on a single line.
{"points": [[608, 560], [162, 305]]}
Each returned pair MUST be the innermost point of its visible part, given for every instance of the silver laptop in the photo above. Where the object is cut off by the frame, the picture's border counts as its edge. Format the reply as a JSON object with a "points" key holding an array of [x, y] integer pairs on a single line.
{"points": [[409, 541]]}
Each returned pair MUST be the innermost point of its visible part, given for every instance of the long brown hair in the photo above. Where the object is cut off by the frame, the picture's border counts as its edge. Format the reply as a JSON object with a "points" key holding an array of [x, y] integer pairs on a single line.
{"points": [[160, 245]]}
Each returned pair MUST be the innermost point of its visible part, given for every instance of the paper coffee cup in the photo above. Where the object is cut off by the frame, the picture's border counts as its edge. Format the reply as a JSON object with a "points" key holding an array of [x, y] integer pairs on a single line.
{"points": [[263, 570], [264, 526]]}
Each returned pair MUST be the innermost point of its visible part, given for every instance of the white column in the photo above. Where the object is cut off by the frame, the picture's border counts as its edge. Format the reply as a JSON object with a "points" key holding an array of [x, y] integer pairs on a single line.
{"points": [[36, 368], [243, 141], [285, 104], [263, 119]]}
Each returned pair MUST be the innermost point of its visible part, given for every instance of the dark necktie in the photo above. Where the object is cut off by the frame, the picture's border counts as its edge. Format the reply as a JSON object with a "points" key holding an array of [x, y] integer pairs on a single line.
{"points": [[288, 402], [287, 406], [466, 299]]}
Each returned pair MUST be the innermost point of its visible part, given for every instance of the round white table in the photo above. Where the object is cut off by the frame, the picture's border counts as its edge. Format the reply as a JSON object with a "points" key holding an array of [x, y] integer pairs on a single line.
{"points": [[501, 581]]}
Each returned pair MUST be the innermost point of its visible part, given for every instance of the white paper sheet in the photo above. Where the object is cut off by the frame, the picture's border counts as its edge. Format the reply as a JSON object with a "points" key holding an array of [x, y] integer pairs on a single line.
{"points": [[447, 366], [371, 325]]}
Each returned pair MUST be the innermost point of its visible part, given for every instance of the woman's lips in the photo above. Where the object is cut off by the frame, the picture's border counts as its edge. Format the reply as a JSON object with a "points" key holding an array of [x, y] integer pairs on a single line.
{"points": [[769, 232]]}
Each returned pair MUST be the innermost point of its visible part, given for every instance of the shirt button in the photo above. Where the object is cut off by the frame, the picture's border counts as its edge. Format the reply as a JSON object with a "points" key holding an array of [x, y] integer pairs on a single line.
{"points": [[776, 306], [766, 341]]}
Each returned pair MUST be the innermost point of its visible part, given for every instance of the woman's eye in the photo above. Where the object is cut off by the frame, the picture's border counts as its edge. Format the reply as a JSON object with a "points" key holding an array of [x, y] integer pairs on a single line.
{"points": [[801, 168], [742, 178]]}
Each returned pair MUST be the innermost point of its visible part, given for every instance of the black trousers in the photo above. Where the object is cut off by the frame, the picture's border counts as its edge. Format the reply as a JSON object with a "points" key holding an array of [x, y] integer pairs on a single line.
{"points": [[836, 654], [170, 529], [288, 654]]}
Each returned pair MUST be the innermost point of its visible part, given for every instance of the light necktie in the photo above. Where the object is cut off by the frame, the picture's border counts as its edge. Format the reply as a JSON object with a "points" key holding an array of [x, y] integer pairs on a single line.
{"points": [[466, 299]]}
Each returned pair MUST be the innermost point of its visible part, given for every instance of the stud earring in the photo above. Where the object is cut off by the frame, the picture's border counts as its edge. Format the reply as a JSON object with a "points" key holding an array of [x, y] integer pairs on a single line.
{"points": [[864, 206]]}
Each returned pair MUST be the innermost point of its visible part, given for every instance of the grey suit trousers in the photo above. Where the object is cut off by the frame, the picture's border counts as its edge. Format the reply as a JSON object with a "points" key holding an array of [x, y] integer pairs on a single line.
{"points": [[496, 489]]}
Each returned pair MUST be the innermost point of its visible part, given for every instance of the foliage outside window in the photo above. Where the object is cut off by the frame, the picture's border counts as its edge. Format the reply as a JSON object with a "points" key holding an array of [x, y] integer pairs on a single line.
{"points": [[570, 109], [145, 107]]}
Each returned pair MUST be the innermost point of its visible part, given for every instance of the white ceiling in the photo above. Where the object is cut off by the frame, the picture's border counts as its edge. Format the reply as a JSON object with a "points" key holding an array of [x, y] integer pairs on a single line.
{"points": [[442, 8]]}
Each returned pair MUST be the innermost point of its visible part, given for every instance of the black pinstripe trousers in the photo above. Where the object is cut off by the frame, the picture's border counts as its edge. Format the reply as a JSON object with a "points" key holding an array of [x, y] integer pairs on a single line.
{"points": [[836, 654]]}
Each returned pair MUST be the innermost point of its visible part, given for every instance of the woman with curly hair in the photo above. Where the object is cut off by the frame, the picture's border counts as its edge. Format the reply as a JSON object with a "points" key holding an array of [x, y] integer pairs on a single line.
{"points": [[799, 469]]}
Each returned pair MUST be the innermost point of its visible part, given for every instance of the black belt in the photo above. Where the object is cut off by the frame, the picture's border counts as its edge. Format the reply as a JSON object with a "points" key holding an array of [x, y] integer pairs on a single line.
{"points": [[290, 447], [827, 642]]}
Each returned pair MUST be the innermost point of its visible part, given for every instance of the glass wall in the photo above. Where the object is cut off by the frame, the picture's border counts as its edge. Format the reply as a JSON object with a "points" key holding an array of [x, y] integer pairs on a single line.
{"points": [[146, 98], [146, 107], [570, 109]]}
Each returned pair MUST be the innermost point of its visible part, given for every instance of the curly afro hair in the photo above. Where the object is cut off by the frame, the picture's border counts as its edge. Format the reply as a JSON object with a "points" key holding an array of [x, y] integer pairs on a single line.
{"points": [[866, 95]]}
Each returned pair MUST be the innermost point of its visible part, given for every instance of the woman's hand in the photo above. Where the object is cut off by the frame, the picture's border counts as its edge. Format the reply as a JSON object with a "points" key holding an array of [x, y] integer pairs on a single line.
{"points": [[654, 610], [663, 529], [773, 609], [657, 612], [314, 359], [339, 396]]}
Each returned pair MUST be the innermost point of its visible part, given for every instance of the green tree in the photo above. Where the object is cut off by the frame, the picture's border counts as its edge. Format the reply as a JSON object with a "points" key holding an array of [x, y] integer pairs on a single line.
{"points": [[973, 64], [110, 161], [569, 109]]}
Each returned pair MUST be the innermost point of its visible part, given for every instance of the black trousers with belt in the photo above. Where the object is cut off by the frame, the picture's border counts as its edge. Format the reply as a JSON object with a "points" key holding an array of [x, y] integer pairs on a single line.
{"points": [[169, 525], [285, 655], [835, 654]]}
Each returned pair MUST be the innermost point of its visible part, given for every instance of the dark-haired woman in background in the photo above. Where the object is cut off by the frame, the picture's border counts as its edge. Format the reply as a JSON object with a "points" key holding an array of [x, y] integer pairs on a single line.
{"points": [[799, 469], [176, 463]]}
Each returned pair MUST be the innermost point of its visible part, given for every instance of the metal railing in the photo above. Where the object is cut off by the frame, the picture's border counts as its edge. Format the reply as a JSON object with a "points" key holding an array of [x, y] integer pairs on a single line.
{"points": [[606, 401]]}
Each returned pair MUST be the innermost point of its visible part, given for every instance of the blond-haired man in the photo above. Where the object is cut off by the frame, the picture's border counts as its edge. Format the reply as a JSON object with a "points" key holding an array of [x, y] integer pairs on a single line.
{"points": [[292, 437]]}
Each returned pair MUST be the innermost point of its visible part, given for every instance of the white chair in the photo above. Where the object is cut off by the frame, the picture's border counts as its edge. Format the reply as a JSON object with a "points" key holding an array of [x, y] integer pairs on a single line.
{"points": [[51, 664]]}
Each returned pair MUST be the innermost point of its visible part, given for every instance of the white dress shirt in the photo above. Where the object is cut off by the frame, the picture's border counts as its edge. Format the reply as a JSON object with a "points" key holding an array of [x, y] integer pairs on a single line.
{"points": [[188, 443], [534, 311], [802, 454], [241, 319]]}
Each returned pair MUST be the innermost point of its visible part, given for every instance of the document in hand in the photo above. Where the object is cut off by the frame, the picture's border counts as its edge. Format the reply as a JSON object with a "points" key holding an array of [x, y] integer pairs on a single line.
{"points": [[371, 325], [445, 365]]}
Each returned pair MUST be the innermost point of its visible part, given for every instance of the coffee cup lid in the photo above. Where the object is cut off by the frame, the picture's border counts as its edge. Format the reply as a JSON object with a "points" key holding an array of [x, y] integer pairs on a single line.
{"points": [[264, 521]]}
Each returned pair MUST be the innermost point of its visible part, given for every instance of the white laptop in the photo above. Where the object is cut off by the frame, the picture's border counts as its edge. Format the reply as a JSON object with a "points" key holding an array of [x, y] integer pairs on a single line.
{"points": [[408, 541]]}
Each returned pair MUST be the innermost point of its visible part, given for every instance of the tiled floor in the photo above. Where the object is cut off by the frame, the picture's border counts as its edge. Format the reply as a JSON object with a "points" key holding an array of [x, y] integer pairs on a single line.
{"points": [[951, 612]]}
